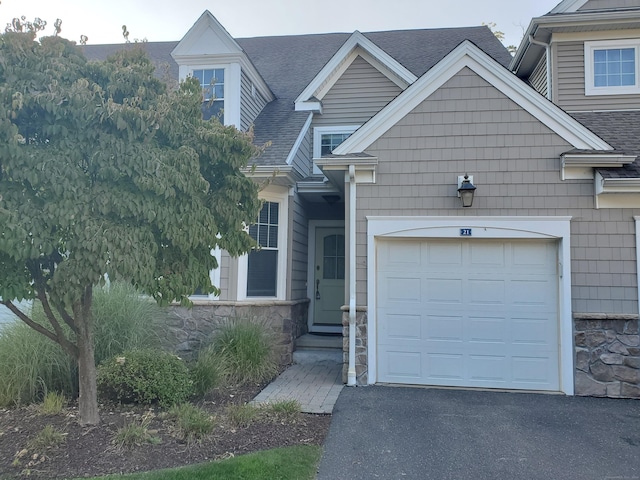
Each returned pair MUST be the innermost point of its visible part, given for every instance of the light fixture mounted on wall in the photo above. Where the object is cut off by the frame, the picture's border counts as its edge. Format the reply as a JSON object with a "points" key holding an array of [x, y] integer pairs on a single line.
{"points": [[466, 189]]}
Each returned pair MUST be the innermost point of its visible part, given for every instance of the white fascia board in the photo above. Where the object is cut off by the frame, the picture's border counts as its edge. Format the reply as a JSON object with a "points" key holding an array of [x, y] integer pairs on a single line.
{"points": [[616, 185], [468, 55], [338, 59], [299, 140], [314, 106], [206, 22], [596, 160]]}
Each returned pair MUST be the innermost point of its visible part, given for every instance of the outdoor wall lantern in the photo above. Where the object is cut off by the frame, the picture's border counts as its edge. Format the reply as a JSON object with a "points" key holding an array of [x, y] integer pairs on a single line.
{"points": [[466, 189]]}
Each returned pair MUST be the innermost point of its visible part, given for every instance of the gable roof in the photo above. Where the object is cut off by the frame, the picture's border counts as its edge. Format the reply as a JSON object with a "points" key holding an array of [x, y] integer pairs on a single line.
{"points": [[288, 64], [470, 56]]}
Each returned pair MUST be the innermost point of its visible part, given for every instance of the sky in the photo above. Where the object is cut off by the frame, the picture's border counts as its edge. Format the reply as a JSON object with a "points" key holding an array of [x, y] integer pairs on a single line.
{"points": [[158, 20]]}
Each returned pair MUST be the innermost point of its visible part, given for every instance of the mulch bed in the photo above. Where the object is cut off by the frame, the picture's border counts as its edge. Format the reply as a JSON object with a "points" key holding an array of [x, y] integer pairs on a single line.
{"points": [[89, 451]]}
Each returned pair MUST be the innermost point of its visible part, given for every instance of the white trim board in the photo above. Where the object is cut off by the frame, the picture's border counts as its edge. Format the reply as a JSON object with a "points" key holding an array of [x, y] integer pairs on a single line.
{"points": [[468, 55], [483, 227]]}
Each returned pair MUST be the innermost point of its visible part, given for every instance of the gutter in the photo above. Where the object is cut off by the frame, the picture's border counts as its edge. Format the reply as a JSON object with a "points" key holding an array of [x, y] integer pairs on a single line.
{"points": [[351, 372], [547, 48]]}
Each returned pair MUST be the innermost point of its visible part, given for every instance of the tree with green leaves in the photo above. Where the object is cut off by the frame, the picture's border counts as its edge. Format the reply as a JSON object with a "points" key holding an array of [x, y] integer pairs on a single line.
{"points": [[106, 172]]}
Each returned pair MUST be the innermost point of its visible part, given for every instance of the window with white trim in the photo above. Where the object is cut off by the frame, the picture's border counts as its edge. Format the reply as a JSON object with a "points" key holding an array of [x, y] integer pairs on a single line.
{"points": [[212, 83], [326, 139], [611, 67], [262, 264]]}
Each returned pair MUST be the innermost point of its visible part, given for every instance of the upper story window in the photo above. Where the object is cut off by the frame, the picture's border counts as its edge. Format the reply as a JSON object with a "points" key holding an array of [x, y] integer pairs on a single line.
{"points": [[611, 67], [212, 82], [327, 139]]}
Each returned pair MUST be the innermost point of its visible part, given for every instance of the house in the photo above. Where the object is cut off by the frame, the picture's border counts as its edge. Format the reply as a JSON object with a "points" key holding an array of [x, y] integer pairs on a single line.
{"points": [[532, 287]]}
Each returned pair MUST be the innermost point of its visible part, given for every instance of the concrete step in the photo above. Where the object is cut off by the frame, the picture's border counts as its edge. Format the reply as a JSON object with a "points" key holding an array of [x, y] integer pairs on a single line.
{"points": [[319, 342], [323, 356]]}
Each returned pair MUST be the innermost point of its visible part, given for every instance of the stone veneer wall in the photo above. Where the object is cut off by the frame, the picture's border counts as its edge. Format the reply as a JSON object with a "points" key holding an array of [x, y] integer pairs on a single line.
{"points": [[190, 329], [362, 366], [607, 355]]}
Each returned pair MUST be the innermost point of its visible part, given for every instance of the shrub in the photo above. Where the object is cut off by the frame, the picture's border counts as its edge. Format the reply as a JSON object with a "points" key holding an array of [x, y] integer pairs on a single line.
{"points": [[135, 434], [207, 373], [192, 423], [124, 320], [242, 415], [244, 349], [145, 377], [31, 364], [52, 404], [48, 437], [283, 410]]}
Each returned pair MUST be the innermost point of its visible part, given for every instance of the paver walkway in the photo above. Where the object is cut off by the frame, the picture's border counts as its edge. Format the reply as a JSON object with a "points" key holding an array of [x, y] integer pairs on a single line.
{"points": [[315, 386]]}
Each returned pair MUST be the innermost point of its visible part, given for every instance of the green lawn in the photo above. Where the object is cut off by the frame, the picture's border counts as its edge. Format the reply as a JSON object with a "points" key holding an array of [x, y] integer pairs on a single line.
{"points": [[290, 463]]}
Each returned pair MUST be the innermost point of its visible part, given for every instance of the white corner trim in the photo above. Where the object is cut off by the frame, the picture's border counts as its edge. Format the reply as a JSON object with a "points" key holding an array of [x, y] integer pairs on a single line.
{"points": [[300, 139], [558, 228], [468, 55], [356, 39]]}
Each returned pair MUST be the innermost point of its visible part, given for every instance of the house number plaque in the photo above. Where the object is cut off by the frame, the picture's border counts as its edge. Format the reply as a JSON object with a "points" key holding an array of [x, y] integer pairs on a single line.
{"points": [[465, 232]]}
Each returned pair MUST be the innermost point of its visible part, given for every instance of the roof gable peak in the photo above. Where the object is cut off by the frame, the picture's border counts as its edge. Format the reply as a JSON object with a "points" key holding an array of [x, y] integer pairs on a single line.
{"points": [[356, 45], [207, 36], [469, 55]]}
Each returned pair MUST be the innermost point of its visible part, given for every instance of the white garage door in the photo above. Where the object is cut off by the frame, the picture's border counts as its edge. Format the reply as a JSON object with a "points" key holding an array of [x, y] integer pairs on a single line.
{"points": [[472, 313]]}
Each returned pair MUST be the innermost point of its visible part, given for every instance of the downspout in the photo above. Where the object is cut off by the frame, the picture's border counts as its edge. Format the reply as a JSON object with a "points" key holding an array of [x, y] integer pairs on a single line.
{"points": [[351, 372], [547, 47]]}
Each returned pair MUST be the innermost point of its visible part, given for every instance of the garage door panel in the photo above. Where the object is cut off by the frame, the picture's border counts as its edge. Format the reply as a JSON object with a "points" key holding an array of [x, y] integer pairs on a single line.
{"points": [[485, 314], [442, 366], [484, 291], [401, 365], [444, 328], [487, 330], [443, 290]]}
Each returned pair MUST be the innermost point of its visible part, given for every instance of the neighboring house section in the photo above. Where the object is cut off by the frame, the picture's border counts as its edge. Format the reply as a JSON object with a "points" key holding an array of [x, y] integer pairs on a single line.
{"points": [[370, 137]]}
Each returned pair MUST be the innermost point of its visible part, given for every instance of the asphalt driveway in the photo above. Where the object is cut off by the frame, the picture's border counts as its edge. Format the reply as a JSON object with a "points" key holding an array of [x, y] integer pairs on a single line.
{"points": [[406, 433]]}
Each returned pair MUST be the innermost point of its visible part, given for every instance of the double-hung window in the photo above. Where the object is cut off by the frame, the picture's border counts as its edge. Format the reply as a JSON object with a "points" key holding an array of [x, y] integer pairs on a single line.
{"points": [[262, 264], [212, 83], [611, 67]]}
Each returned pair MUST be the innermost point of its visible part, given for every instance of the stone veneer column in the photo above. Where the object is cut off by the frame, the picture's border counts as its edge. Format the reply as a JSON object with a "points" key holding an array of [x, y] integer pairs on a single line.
{"points": [[362, 366], [607, 355]]}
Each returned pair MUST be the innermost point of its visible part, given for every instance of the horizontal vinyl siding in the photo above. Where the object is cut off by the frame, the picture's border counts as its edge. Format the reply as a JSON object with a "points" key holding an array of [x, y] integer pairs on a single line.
{"points": [[302, 161], [299, 250], [569, 65], [358, 95], [250, 105], [468, 126], [538, 78]]}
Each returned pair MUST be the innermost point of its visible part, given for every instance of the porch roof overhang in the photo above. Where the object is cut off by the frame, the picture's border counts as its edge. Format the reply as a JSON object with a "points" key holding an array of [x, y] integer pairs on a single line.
{"points": [[284, 175], [579, 164], [335, 166]]}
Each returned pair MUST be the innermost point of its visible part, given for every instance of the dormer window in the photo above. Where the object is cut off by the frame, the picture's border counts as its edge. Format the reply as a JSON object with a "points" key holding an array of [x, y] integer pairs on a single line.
{"points": [[611, 67], [212, 82]]}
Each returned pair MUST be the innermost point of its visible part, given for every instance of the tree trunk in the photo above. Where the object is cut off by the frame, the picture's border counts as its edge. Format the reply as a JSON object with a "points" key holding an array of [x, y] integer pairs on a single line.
{"points": [[88, 398]]}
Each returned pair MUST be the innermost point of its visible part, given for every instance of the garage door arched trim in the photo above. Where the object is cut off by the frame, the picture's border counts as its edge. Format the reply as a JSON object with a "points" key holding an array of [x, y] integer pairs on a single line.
{"points": [[506, 228]]}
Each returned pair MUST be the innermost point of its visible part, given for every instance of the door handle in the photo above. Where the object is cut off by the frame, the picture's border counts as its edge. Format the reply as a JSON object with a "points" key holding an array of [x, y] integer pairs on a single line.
{"points": [[318, 289]]}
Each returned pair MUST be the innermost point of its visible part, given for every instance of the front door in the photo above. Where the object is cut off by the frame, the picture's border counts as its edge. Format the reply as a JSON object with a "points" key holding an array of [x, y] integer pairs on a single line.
{"points": [[328, 287]]}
